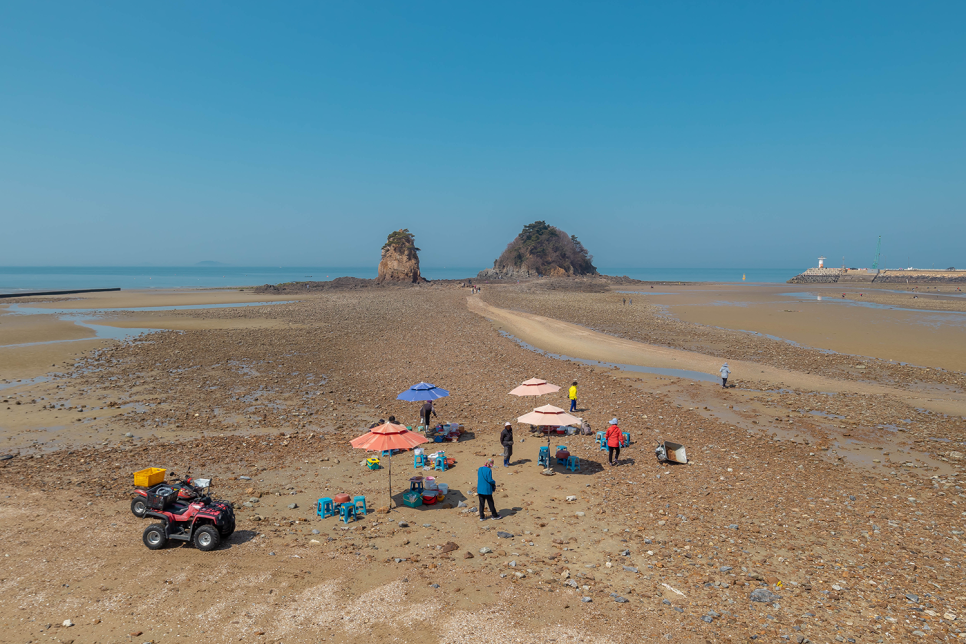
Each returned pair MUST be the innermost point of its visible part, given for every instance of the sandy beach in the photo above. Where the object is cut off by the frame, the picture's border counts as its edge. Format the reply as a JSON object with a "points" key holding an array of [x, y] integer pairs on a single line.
{"points": [[828, 473]]}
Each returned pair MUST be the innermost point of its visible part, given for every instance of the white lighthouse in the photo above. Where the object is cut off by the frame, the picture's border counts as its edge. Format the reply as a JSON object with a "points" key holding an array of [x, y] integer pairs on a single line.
{"points": [[821, 262]]}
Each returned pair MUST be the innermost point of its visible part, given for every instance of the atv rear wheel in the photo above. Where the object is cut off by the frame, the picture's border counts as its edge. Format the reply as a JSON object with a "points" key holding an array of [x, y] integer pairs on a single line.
{"points": [[139, 507], [154, 536], [227, 530], [206, 538]]}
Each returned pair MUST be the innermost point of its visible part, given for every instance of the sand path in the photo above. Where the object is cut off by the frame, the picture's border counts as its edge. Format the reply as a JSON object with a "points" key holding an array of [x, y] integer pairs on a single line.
{"points": [[578, 342]]}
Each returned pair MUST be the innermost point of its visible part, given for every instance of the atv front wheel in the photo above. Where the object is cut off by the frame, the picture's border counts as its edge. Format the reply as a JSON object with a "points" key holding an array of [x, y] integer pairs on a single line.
{"points": [[227, 530], [154, 536], [207, 538], [139, 507]]}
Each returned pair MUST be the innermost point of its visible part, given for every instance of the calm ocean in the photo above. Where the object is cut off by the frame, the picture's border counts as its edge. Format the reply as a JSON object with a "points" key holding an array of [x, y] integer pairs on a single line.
{"points": [[48, 278]]}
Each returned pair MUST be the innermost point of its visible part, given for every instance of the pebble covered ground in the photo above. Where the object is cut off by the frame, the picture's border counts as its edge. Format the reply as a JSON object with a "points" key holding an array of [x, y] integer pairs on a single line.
{"points": [[761, 536]]}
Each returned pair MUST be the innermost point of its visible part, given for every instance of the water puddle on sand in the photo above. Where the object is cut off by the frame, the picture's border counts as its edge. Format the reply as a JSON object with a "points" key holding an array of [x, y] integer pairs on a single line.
{"points": [[23, 383], [19, 309], [929, 317], [85, 318], [673, 373]]}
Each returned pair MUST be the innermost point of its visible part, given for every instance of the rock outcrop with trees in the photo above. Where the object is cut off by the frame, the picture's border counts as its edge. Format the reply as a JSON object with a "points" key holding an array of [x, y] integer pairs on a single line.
{"points": [[400, 261], [542, 250]]}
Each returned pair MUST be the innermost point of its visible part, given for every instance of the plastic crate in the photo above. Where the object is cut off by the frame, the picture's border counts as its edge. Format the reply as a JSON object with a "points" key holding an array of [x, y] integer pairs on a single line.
{"points": [[150, 476], [162, 498], [412, 499]]}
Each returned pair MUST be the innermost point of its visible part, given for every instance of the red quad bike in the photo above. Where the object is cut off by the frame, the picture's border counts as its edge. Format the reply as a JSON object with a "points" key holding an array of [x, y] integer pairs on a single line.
{"points": [[187, 490], [202, 521]]}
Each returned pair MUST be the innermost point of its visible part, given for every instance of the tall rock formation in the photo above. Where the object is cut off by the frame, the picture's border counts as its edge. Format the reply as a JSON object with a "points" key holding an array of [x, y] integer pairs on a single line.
{"points": [[541, 250], [399, 262]]}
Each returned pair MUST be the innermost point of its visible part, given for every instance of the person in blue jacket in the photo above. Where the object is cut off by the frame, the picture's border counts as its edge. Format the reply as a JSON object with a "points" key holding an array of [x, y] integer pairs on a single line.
{"points": [[485, 486]]}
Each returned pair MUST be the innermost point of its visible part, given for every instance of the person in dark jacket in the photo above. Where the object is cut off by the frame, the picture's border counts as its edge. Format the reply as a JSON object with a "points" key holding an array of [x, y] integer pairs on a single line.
{"points": [[506, 439], [425, 411], [485, 486]]}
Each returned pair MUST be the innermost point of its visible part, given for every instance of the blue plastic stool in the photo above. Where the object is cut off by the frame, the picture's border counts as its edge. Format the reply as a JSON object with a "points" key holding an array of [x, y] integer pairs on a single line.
{"points": [[543, 457], [359, 502], [603, 446], [440, 463], [325, 507], [416, 486], [386, 453], [573, 464], [625, 439], [419, 461], [347, 511], [599, 438]]}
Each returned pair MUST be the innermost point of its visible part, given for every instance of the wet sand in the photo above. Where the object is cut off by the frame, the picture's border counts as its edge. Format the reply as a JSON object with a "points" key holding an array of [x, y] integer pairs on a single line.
{"points": [[917, 337], [813, 488]]}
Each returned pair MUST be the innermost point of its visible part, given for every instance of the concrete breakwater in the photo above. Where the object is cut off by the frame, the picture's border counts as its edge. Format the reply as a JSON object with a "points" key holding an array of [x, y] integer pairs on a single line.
{"points": [[921, 277], [844, 275], [818, 276]]}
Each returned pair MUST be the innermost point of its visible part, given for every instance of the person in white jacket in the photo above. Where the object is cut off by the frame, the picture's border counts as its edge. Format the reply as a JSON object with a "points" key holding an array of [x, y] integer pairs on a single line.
{"points": [[725, 372]]}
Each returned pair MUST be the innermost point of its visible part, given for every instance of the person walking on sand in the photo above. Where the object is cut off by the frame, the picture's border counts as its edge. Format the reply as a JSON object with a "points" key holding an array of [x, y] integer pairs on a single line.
{"points": [[506, 439], [725, 372], [613, 437], [425, 411], [573, 396], [485, 486]]}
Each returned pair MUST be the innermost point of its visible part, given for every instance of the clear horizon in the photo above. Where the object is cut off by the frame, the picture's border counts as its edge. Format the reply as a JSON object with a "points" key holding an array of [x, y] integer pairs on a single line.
{"points": [[700, 134]]}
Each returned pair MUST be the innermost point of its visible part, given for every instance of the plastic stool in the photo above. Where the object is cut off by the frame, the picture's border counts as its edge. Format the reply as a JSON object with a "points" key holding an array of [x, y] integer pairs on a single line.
{"points": [[440, 463], [347, 511], [419, 460], [562, 447], [543, 458], [603, 446], [325, 507], [359, 502], [416, 486], [573, 464], [599, 438], [386, 453], [625, 439]]}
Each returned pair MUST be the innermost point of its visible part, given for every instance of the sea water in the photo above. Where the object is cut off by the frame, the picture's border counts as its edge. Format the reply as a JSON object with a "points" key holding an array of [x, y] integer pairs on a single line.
{"points": [[62, 278]]}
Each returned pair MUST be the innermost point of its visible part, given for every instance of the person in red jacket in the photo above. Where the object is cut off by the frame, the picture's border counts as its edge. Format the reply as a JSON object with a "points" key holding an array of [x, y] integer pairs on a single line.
{"points": [[613, 437]]}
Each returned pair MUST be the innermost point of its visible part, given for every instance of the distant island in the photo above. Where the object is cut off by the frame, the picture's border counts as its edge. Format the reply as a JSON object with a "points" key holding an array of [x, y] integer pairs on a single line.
{"points": [[542, 250]]}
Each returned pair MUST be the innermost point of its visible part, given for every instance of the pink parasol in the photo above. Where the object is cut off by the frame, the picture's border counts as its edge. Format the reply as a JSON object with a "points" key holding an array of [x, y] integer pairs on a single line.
{"points": [[550, 416], [535, 387], [387, 437]]}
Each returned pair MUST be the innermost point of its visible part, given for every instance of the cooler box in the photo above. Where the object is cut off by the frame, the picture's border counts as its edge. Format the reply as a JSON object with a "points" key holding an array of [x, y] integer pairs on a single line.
{"points": [[673, 452], [412, 499]]}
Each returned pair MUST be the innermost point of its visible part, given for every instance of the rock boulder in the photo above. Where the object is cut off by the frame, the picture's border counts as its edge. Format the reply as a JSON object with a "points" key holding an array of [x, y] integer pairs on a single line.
{"points": [[400, 261]]}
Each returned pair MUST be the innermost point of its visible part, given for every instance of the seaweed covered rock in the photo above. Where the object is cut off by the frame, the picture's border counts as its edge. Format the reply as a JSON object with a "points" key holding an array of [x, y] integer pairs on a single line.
{"points": [[542, 250]]}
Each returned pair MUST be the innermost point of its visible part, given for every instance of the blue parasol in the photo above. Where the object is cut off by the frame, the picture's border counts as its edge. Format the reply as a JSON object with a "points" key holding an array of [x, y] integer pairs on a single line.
{"points": [[422, 391]]}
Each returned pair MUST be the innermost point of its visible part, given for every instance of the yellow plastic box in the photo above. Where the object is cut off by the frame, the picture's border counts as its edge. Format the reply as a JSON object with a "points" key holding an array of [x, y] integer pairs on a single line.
{"points": [[149, 477]]}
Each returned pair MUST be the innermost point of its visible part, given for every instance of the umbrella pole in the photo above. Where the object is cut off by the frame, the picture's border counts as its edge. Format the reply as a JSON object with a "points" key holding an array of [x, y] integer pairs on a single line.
{"points": [[390, 479]]}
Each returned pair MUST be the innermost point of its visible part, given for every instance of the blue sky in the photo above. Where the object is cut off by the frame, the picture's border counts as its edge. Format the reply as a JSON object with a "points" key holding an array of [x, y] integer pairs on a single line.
{"points": [[661, 134]]}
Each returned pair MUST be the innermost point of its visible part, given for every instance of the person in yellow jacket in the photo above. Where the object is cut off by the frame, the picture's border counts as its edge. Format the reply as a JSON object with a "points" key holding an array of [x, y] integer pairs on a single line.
{"points": [[573, 396]]}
